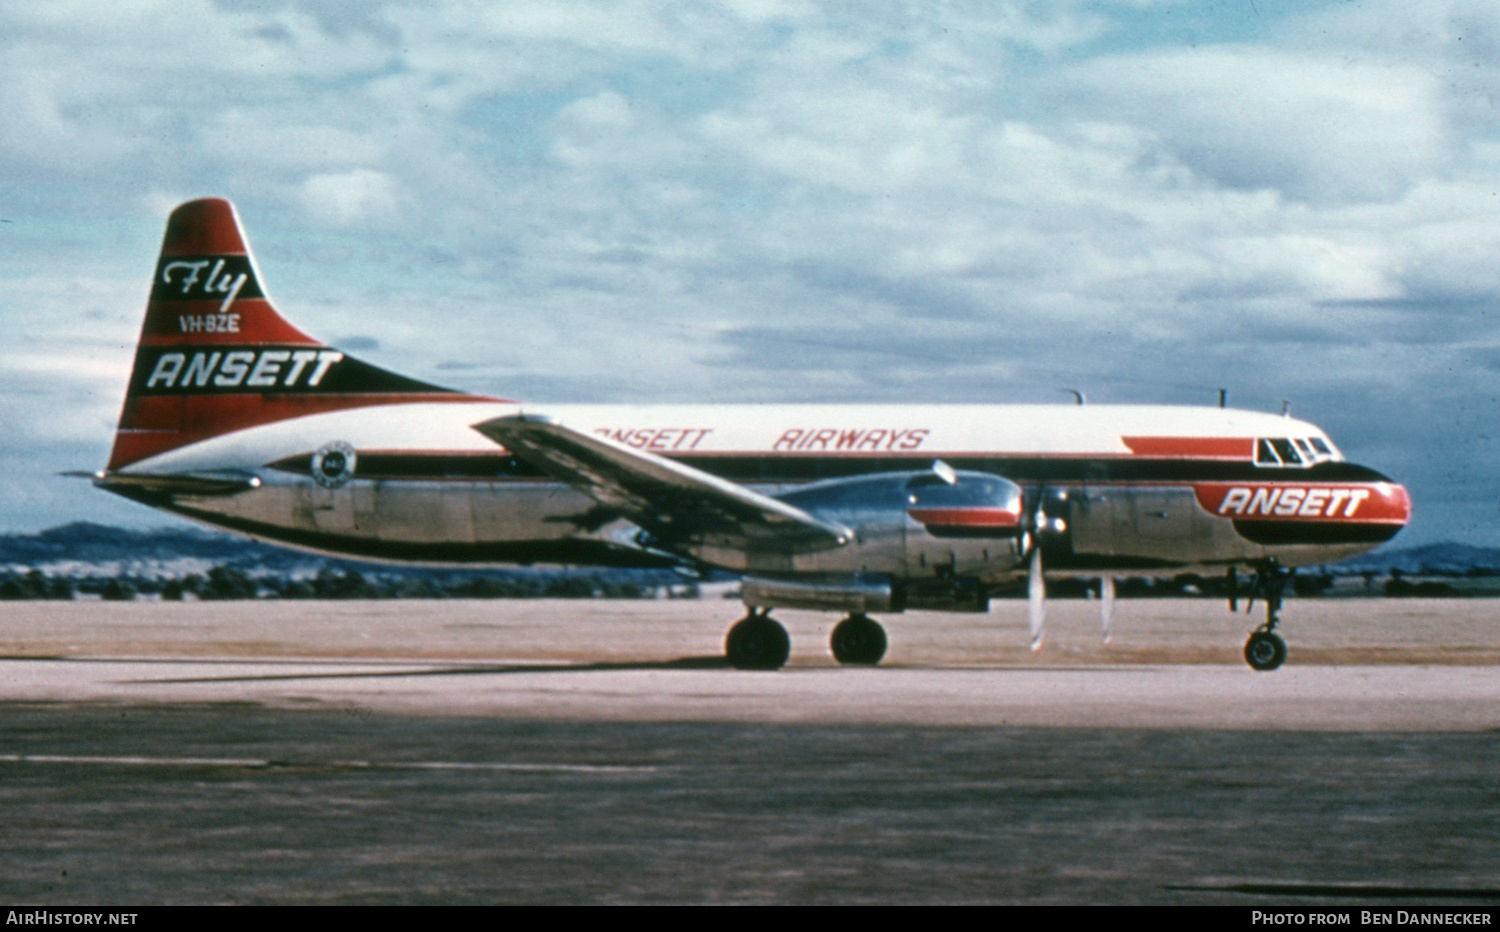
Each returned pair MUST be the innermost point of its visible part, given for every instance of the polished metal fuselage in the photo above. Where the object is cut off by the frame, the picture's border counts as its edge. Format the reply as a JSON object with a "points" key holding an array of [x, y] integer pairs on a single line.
{"points": [[1161, 521]]}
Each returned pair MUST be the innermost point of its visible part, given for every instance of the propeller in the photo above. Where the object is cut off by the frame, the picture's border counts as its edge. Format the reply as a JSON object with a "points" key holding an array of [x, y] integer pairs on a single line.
{"points": [[1036, 597], [1036, 580], [1107, 605]]}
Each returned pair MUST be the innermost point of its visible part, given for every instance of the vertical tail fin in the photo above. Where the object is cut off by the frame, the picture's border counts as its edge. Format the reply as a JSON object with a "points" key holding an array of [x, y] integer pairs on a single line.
{"points": [[214, 355]]}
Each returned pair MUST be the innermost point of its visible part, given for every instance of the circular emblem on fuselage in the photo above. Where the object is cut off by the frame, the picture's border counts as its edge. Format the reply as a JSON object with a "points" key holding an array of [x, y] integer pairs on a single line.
{"points": [[333, 464]]}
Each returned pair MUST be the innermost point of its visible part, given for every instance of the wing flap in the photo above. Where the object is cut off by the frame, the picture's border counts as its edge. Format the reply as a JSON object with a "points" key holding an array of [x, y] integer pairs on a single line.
{"points": [[680, 506]]}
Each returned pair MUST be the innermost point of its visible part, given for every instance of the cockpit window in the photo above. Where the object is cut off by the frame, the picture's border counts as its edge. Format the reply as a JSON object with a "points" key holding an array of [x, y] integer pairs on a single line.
{"points": [[1264, 454], [1286, 453], [1319, 445]]}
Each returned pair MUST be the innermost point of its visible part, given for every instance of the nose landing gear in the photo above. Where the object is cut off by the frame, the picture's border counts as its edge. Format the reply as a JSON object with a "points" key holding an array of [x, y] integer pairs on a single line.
{"points": [[1265, 650]]}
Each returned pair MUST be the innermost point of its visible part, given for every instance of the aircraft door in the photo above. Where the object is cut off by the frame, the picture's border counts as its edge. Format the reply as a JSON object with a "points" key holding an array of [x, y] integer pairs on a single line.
{"points": [[1099, 515], [1169, 525], [330, 503]]}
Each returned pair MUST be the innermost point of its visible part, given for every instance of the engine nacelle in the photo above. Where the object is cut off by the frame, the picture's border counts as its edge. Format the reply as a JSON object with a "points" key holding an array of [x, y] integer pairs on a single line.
{"points": [[938, 523], [861, 593], [832, 592]]}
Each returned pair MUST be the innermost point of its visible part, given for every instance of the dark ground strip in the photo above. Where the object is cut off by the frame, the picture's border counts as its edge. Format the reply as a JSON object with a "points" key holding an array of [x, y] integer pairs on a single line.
{"points": [[484, 811]]}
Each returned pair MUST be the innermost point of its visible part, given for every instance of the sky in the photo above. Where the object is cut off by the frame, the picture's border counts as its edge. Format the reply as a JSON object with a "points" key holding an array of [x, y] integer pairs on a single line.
{"points": [[779, 200]]}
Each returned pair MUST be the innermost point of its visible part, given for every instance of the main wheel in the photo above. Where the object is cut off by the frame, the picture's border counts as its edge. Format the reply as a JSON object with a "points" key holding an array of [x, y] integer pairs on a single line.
{"points": [[757, 643], [858, 639], [1265, 650]]}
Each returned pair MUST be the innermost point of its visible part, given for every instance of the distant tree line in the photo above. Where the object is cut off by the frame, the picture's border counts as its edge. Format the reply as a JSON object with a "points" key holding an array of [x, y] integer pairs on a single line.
{"points": [[229, 582], [1305, 584], [37, 585]]}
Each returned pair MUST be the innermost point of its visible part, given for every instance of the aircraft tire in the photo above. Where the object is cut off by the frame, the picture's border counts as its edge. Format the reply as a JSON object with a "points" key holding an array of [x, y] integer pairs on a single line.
{"points": [[1265, 650], [757, 643], [858, 639]]}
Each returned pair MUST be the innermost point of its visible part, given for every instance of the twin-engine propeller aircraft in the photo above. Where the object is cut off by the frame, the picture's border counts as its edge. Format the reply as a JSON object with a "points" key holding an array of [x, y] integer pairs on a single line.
{"points": [[238, 419]]}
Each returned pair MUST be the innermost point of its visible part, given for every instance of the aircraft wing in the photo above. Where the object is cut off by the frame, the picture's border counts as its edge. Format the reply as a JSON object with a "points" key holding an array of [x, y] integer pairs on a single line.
{"points": [[676, 504]]}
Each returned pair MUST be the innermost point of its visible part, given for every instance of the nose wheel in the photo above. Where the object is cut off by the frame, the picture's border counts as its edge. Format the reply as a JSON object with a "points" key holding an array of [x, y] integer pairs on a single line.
{"points": [[1265, 650], [859, 640]]}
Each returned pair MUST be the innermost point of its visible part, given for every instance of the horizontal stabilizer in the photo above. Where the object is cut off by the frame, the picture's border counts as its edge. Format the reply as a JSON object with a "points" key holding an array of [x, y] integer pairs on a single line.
{"points": [[214, 483]]}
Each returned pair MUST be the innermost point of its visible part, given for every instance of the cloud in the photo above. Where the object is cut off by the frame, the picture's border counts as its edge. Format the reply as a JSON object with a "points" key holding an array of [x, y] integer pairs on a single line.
{"points": [[1315, 127], [346, 198], [783, 199]]}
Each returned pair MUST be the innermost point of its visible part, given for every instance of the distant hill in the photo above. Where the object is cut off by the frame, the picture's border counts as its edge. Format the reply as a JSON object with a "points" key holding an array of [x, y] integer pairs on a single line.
{"points": [[1428, 560], [87, 549], [211, 564]]}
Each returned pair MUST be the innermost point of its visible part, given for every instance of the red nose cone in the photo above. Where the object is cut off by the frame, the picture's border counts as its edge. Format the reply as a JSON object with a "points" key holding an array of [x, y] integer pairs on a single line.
{"points": [[1295, 508], [1401, 503]]}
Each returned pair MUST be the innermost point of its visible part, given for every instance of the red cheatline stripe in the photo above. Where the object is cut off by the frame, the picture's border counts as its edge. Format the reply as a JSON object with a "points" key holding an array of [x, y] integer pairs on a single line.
{"points": [[966, 517], [154, 424], [1196, 447]]}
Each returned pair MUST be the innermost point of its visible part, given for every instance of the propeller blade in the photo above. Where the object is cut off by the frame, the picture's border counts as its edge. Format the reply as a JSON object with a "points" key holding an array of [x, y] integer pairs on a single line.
{"points": [[1232, 577], [1036, 599], [1107, 605]]}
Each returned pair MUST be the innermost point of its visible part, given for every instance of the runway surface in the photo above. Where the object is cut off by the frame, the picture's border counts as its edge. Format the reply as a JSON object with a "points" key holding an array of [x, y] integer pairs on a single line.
{"points": [[589, 752]]}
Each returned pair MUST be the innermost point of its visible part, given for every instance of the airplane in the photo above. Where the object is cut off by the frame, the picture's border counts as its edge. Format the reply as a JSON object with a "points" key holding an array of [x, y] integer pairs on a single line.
{"points": [[236, 418]]}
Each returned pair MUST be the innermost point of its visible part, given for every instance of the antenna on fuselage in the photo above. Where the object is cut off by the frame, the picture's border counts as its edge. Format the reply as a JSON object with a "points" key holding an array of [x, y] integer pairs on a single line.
{"points": [[1077, 395], [1286, 408], [1223, 397]]}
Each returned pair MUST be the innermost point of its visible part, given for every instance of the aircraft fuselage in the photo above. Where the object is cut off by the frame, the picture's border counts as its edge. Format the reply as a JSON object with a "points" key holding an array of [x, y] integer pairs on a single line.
{"points": [[1129, 488]]}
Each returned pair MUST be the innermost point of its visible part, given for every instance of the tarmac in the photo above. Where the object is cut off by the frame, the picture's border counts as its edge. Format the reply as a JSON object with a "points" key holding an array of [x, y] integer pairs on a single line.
{"points": [[1367, 664], [601, 752]]}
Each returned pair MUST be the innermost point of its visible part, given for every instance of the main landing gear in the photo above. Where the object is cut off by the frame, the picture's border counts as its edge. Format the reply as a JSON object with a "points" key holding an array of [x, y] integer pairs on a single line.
{"points": [[759, 642], [1265, 650], [858, 639]]}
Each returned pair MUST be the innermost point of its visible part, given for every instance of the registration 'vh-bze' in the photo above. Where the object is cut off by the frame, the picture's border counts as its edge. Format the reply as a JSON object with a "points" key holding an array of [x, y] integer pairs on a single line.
{"points": [[236, 418]]}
